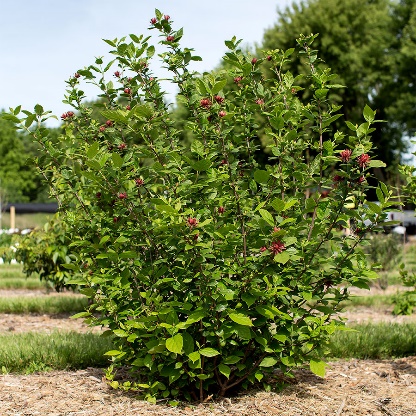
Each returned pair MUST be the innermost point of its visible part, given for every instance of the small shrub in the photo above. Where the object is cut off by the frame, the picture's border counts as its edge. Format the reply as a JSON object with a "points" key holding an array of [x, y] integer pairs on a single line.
{"points": [[208, 267], [44, 251]]}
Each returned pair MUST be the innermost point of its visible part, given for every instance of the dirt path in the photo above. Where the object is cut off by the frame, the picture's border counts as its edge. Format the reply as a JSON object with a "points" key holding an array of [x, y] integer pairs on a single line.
{"points": [[364, 387]]}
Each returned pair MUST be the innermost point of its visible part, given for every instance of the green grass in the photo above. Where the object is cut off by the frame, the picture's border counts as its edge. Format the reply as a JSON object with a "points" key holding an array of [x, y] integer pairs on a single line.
{"points": [[11, 271], [372, 301], [375, 341], [30, 352], [26, 220], [43, 304]]}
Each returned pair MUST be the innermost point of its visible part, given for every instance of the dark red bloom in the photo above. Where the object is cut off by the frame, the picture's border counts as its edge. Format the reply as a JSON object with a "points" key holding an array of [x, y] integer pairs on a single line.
{"points": [[76, 75], [98, 195], [139, 182], [237, 79], [122, 195], [128, 107], [293, 90], [363, 160], [117, 74], [102, 128], [66, 115], [192, 222], [263, 249], [338, 178], [166, 17], [324, 194], [277, 247], [360, 180], [127, 90], [219, 99], [221, 210], [205, 103], [345, 155], [223, 162], [269, 58], [259, 101], [115, 219], [109, 123], [122, 146], [153, 20], [254, 61], [196, 236], [222, 113], [276, 229], [170, 38]]}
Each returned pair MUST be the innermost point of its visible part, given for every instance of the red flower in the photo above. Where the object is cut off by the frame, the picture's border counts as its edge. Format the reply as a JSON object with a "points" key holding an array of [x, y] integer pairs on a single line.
{"points": [[222, 113], [254, 61], [66, 115], [205, 103], [122, 195], [115, 219], [139, 182], [128, 107], [127, 90], [276, 229], [102, 128], [192, 222], [166, 17], [122, 146], [360, 180], [269, 58], [324, 194], [170, 38], [263, 249], [76, 75], [219, 99], [109, 123], [259, 101], [277, 247], [117, 74], [223, 162], [345, 155], [153, 20], [363, 160], [196, 236], [98, 195], [237, 79], [221, 210], [338, 178]]}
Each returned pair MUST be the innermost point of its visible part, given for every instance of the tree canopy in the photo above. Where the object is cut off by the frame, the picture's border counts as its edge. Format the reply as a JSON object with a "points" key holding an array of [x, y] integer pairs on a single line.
{"points": [[371, 45]]}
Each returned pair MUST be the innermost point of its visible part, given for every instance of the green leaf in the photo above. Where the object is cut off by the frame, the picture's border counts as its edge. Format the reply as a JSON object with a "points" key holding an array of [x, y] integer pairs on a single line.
{"points": [[224, 369], [175, 344], [377, 164], [143, 111], [241, 319], [268, 362], [11, 117], [278, 204], [150, 51], [201, 165], [201, 87], [194, 356], [120, 333], [93, 150], [369, 114], [321, 93], [282, 258], [197, 147], [261, 176], [209, 352], [117, 160], [113, 353], [267, 216], [119, 116], [317, 367], [218, 86]]}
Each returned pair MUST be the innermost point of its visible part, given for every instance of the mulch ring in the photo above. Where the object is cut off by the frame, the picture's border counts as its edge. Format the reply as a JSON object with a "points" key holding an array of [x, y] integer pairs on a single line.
{"points": [[354, 388]]}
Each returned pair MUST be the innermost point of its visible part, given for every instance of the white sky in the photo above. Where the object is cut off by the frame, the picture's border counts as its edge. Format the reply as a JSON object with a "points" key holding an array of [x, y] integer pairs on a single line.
{"points": [[43, 42]]}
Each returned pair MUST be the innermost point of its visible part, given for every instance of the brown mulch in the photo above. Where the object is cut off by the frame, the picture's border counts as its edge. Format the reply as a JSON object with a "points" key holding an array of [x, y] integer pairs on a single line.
{"points": [[357, 387]]}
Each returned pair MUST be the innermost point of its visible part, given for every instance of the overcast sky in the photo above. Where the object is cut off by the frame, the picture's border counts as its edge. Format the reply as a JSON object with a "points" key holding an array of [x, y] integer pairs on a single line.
{"points": [[43, 42]]}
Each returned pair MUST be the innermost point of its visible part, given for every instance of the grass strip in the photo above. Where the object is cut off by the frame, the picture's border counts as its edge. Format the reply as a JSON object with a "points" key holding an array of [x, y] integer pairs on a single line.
{"points": [[372, 301], [46, 304], [11, 271], [374, 341], [29, 284], [30, 352]]}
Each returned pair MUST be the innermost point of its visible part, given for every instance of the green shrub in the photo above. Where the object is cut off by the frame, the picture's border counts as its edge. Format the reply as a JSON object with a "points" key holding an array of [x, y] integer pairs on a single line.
{"points": [[44, 251], [209, 268]]}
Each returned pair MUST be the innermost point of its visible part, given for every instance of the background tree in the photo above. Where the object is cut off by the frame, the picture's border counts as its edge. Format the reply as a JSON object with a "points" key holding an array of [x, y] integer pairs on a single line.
{"points": [[371, 45], [20, 182]]}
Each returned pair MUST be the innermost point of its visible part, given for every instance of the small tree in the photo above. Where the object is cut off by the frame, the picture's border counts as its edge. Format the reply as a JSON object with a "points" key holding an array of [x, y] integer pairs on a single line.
{"points": [[207, 268]]}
